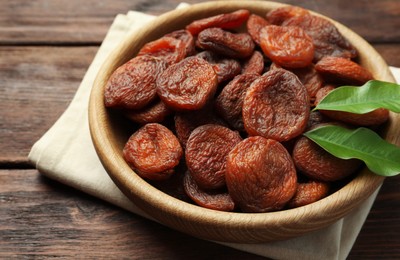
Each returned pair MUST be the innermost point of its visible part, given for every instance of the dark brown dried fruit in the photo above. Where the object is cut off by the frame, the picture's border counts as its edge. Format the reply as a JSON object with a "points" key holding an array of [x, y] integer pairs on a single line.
{"points": [[225, 68], [211, 199], [341, 70], [254, 25], [186, 122], [133, 85], [187, 38], [281, 14], [260, 175], [153, 151], [225, 21], [327, 39], [255, 64], [153, 113], [167, 48], [308, 193], [373, 118], [316, 163], [289, 47], [276, 106], [206, 152], [233, 45], [187, 85], [316, 118], [310, 79], [229, 102], [173, 186]]}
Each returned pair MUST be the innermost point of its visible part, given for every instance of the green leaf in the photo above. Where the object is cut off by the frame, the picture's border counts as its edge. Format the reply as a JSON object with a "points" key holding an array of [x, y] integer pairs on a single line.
{"points": [[360, 100], [362, 143]]}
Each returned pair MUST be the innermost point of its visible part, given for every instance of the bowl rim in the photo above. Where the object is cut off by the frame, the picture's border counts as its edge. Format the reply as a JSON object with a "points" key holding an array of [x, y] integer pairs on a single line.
{"points": [[150, 199]]}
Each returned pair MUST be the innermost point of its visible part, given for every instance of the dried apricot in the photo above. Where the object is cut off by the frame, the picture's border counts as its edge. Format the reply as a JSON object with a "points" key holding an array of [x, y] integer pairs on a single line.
{"points": [[276, 106], [233, 45], [260, 175], [309, 192], [310, 78], [133, 85], [153, 113], [167, 48], [187, 38], [289, 46], [186, 122], [173, 186], [153, 151], [255, 64], [254, 25], [187, 85], [225, 68], [206, 152], [229, 102], [316, 163], [225, 21], [279, 15], [327, 39], [211, 199], [341, 70]]}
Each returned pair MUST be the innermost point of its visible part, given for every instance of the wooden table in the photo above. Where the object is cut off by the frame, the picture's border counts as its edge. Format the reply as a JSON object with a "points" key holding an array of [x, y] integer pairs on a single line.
{"points": [[45, 48]]}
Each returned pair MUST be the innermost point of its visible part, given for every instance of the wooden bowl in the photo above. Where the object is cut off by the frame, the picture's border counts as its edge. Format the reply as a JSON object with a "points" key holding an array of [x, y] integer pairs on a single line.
{"points": [[109, 135]]}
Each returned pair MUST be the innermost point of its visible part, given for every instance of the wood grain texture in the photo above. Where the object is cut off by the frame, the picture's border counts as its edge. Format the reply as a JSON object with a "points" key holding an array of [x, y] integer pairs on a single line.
{"points": [[86, 22], [37, 84]]}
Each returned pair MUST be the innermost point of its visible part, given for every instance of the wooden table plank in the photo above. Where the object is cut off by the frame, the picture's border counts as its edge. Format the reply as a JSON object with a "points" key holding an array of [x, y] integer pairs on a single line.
{"points": [[40, 82], [40, 217], [86, 22], [37, 84]]}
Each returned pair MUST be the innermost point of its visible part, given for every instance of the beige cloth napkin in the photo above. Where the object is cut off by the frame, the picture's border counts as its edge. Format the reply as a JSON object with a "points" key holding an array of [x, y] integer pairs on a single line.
{"points": [[66, 154]]}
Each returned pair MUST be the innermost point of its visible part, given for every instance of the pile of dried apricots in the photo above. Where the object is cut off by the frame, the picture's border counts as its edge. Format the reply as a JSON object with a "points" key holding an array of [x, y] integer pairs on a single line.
{"points": [[239, 101]]}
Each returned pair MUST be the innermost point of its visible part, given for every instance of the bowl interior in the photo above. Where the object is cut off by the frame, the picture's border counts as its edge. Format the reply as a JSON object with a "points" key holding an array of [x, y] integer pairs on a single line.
{"points": [[110, 132]]}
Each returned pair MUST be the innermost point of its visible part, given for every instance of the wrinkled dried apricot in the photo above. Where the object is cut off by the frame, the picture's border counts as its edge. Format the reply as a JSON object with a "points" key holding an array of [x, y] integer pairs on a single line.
{"points": [[255, 64], [225, 68], [327, 39], [260, 175], [153, 151], [205, 154], [316, 163], [167, 48], [133, 85], [276, 106], [310, 78], [279, 15], [187, 85], [373, 118], [211, 199], [187, 38], [173, 186], [341, 70], [186, 122], [308, 193], [233, 45], [229, 102], [289, 47], [153, 113], [225, 21], [254, 25]]}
